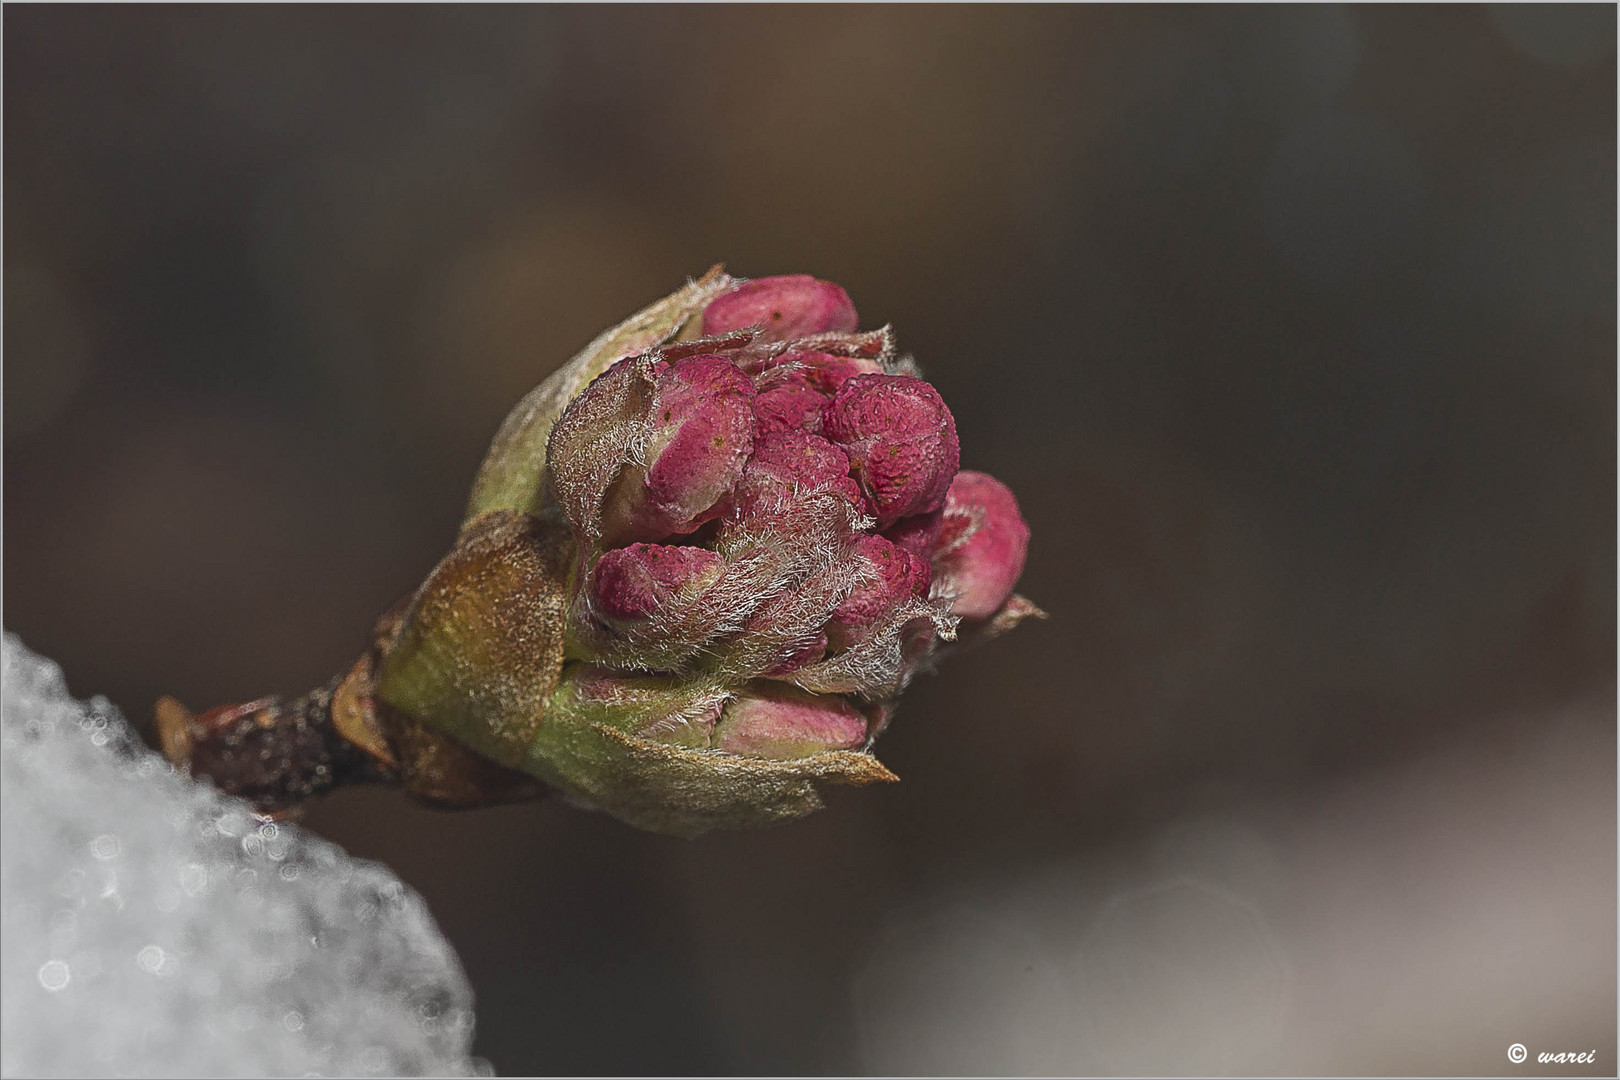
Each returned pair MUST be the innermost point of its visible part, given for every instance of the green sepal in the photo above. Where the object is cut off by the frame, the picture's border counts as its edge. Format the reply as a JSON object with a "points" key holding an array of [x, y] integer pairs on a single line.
{"points": [[611, 759], [480, 648]]}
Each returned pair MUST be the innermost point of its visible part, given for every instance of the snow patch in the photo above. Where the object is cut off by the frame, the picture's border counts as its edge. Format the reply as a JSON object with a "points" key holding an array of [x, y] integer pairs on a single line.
{"points": [[150, 926]]}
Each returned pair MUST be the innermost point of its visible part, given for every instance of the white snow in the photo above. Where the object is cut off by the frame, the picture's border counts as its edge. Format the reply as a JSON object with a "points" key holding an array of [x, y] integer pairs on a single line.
{"points": [[150, 926]]}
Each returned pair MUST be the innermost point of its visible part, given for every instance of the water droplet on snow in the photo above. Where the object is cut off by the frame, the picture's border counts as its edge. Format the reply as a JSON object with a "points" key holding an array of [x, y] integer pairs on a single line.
{"points": [[193, 878], [54, 975], [152, 960]]}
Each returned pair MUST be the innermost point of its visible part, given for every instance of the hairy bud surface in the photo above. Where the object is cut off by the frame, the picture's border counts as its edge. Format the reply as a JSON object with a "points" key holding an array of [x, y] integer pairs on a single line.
{"points": [[767, 535]]}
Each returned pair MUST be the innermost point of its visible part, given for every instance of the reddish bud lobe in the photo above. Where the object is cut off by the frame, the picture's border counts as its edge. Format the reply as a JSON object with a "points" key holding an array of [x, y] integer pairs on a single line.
{"points": [[787, 461], [918, 534], [826, 372], [982, 546], [787, 306], [636, 581], [898, 574], [797, 457], [783, 722], [791, 404], [901, 441], [703, 432]]}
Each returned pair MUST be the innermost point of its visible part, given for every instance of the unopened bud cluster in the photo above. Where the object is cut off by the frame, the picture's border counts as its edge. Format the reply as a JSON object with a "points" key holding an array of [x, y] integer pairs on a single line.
{"points": [[772, 518], [699, 565]]}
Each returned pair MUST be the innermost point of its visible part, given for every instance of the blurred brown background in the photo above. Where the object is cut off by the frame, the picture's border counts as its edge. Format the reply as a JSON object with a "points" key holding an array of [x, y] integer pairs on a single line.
{"points": [[1294, 329]]}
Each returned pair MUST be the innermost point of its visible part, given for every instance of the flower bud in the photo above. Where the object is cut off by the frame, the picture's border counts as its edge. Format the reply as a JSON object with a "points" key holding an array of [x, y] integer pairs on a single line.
{"points": [[788, 402], [785, 307], [795, 388], [655, 607], [885, 576], [727, 584], [771, 720], [653, 448], [787, 632], [642, 580], [918, 534], [786, 464], [901, 441], [825, 372], [980, 552], [645, 749]]}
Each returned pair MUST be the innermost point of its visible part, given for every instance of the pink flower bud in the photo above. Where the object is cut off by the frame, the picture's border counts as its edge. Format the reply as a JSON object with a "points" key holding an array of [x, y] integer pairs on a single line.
{"points": [[702, 422], [787, 306], [826, 372], [788, 403], [794, 388], [918, 534], [741, 588], [982, 547], [771, 720], [901, 441], [641, 580], [788, 631], [885, 576], [790, 462]]}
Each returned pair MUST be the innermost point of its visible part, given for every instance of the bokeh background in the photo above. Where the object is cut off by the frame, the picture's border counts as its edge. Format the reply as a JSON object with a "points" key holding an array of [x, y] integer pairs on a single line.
{"points": [[1293, 328]]}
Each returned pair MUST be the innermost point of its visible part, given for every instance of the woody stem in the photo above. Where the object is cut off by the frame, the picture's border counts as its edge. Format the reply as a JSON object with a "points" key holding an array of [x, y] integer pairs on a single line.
{"points": [[272, 752]]}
